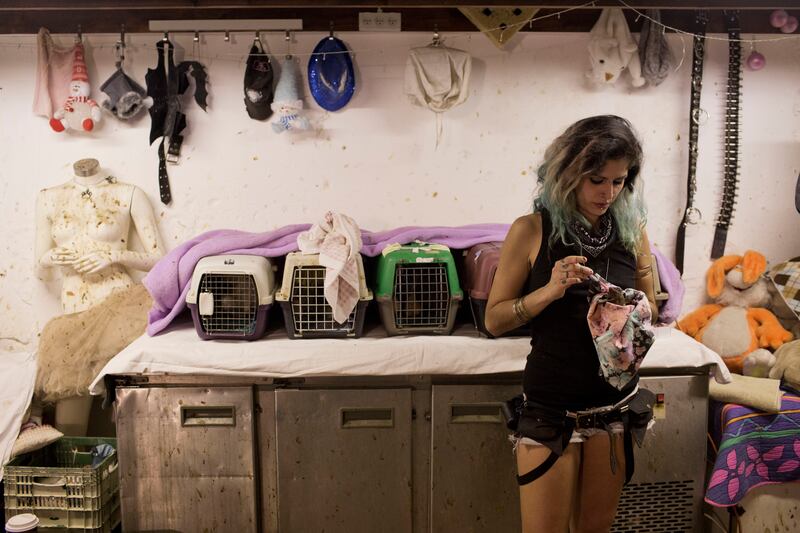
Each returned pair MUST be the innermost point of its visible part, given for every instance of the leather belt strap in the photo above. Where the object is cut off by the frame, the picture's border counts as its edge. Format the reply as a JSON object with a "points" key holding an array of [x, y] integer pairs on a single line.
{"points": [[163, 177], [732, 112], [691, 214], [539, 471]]}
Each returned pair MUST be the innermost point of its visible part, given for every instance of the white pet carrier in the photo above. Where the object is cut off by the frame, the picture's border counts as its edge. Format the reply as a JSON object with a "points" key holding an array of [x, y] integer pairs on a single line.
{"points": [[230, 296], [306, 312]]}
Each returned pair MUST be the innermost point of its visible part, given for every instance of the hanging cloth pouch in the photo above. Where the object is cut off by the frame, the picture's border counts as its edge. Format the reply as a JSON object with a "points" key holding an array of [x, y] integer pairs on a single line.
{"points": [[126, 98], [654, 52], [437, 77], [619, 321], [258, 79]]}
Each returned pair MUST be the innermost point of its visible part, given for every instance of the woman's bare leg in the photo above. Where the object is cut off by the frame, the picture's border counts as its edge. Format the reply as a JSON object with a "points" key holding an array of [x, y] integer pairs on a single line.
{"points": [[598, 488], [547, 502]]}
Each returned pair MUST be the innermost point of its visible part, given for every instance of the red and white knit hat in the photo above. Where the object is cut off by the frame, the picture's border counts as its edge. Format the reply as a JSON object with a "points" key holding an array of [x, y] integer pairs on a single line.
{"points": [[79, 72]]}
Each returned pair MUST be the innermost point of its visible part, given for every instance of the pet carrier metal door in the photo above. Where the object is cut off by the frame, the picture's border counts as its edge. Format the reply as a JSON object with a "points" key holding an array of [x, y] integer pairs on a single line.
{"points": [[306, 311], [186, 459], [421, 296], [474, 486], [344, 460], [666, 492]]}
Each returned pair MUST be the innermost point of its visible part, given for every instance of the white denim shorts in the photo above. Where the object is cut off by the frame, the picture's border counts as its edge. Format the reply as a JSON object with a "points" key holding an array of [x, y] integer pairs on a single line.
{"points": [[583, 434]]}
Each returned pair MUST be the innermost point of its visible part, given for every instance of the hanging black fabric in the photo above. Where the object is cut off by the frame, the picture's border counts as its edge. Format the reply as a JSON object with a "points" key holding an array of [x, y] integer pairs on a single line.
{"points": [[258, 80], [732, 112], [691, 214], [165, 84]]}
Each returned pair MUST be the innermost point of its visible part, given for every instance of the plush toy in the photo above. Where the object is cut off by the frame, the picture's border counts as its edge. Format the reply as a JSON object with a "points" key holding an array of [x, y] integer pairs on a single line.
{"points": [[737, 326], [287, 105], [79, 111], [787, 364], [612, 50]]}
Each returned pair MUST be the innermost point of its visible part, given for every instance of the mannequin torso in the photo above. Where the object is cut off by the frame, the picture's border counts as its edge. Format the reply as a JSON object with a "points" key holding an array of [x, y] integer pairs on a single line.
{"points": [[83, 227]]}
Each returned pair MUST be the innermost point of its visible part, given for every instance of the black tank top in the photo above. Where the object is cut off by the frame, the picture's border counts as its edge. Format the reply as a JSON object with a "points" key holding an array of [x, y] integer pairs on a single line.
{"points": [[562, 369]]}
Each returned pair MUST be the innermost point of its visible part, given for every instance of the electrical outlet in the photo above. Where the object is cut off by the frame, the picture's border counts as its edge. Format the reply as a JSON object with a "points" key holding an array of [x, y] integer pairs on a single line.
{"points": [[378, 21]]}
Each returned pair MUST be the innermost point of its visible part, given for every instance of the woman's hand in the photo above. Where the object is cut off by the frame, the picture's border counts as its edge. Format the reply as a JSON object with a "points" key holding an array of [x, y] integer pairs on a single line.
{"points": [[566, 273], [95, 262]]}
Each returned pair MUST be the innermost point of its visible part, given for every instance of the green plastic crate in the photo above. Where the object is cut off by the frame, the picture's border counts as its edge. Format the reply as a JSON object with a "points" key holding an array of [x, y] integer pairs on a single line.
{"points": [[59, 485], [417, 289]]}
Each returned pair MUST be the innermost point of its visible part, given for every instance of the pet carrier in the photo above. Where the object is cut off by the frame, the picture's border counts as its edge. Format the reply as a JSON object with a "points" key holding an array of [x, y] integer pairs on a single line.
{"points": [[417, 289], [480, 266], [231, 295], [306, 312], [67, 485]]}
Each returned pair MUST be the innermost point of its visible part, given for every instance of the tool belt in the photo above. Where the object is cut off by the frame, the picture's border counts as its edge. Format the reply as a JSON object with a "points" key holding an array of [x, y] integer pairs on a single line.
{"points": [[553, 427]]}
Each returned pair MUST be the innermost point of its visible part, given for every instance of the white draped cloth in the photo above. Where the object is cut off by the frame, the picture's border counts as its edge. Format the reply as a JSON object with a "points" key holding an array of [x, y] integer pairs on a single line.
{"points": [[337, 240], [17, 376]]}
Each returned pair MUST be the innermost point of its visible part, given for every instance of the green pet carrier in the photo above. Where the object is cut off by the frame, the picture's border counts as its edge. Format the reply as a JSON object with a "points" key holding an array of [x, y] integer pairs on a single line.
{"points": [[417, 289]]}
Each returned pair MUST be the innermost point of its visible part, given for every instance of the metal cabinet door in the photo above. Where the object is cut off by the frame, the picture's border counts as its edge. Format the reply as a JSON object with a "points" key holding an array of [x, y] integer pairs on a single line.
{"points": [[670, 467], [344, 460], [474, 485], [186, 459]]}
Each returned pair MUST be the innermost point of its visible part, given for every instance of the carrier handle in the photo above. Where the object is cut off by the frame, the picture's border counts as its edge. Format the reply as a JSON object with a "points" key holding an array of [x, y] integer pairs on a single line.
{"points": [[477, 413], [208, 415], [366, 417]]}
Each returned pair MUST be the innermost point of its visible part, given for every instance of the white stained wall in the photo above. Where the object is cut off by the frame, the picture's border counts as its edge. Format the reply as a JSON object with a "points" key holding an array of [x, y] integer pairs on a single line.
{"points": [[376, 160]]}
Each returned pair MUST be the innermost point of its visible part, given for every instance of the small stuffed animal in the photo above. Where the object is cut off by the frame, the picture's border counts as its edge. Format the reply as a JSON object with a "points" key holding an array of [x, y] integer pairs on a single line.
{"points": [[79, 112], [612, 50], [787, 364], [737, 326], [289, 116], [287, 105]]}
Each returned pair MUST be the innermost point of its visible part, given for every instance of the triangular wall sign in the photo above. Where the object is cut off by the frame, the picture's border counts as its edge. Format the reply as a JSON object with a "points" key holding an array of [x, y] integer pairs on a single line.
{"points": [[499, 24]]}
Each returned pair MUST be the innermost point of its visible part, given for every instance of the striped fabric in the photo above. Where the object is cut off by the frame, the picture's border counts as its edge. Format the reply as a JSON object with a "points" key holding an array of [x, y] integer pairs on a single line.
{"points": [[755, 448]]}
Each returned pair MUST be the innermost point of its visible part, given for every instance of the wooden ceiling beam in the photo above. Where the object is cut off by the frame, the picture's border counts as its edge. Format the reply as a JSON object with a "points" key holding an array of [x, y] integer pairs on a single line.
{"points": [[153, 5], [67, 20]]}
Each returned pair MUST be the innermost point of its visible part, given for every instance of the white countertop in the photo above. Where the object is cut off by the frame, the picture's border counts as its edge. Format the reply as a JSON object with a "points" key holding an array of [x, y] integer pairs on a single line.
{"points": [[179, 350]]}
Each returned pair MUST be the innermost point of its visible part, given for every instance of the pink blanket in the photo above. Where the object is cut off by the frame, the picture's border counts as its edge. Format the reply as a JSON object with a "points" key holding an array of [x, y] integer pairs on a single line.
{"points": [[169, 280]]}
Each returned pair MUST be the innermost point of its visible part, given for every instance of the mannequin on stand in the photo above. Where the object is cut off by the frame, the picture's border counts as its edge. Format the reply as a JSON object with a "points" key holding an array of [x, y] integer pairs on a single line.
{"points": [[82, 229]]}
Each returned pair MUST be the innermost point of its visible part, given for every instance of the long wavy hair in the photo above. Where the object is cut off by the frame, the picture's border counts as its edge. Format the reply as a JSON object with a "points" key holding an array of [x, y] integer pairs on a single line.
{"points": [[582, 150]]}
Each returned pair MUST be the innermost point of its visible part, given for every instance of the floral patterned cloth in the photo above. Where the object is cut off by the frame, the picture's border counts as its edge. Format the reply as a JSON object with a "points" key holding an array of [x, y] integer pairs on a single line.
{"points": [[619, 321], [754, 448]]}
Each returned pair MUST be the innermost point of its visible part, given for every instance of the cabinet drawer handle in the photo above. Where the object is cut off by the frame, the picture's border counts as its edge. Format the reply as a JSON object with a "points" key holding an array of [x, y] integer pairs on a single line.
{"points": [[476, 413], [205, 415], [366, 417]]}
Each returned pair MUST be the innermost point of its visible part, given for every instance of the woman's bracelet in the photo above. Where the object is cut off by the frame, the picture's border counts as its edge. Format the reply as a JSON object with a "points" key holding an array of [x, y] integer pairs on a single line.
{"points": [[521, 313]]}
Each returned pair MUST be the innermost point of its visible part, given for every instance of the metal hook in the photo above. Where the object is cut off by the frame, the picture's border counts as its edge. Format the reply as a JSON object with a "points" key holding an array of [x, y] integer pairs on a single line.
{"points": [[120, 47], [330, 33], [227, 37], [166, 36], [80, 34], [288, 40], [435, 41], [257, 38], [196, 37]]}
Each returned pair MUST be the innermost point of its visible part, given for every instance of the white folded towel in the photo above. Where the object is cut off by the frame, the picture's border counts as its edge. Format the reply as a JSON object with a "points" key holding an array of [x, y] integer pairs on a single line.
{"points": [[337, 240], [763, 394]]}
